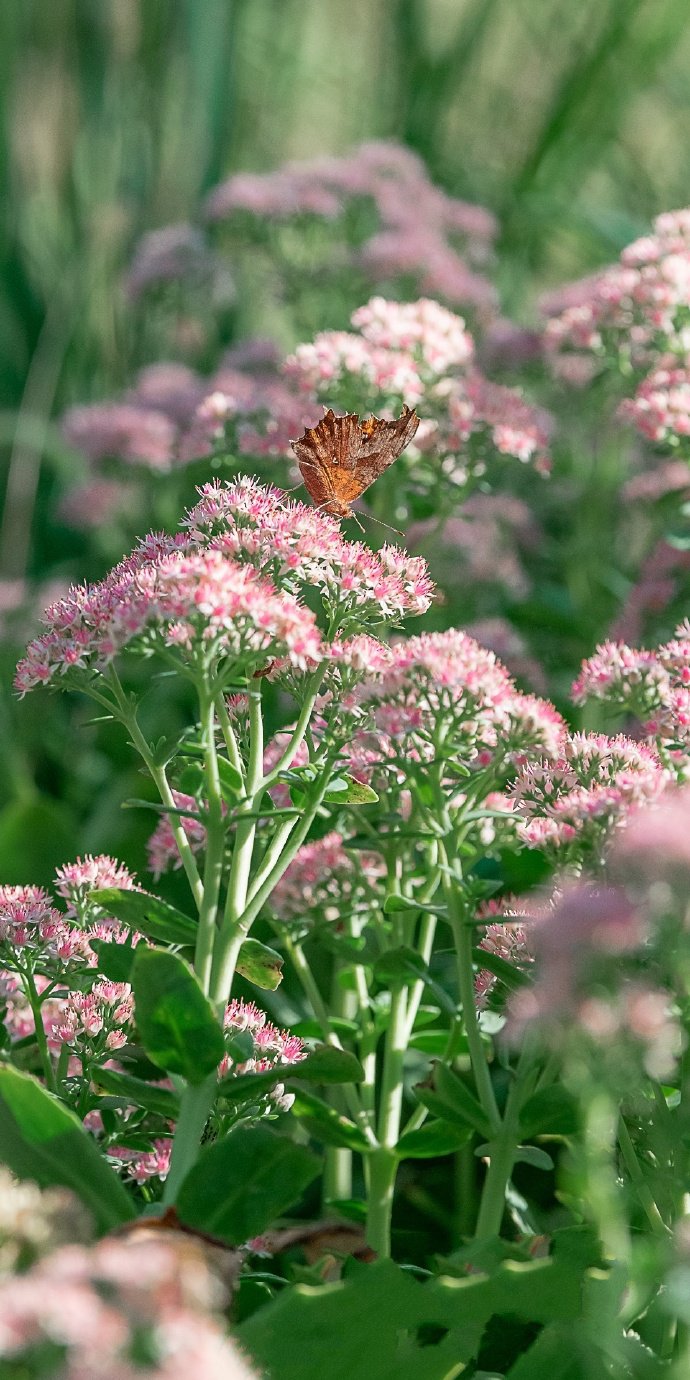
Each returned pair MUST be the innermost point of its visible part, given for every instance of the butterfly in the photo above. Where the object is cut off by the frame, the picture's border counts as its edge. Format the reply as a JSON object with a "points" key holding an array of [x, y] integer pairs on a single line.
{"points": [[341, 456]]}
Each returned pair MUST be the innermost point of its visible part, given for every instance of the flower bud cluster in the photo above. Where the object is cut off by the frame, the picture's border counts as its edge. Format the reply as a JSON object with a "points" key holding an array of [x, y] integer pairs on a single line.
{"points": [[225, 593], [652, 685], [571, 806]]}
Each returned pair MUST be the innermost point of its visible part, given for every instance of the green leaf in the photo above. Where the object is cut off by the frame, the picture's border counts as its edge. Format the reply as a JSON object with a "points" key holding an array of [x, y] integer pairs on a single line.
{"points": [[175, 1020], [509, 975], [193, 780], [148, 914], [433, 1042], [552, 1111], [457, 1097], [561, 1353], [230, 779], [375, 1321], [432, 1139], [240, 1046], [260, 964], [42, 1140], [438, 1107], [162, 1101], [311, 1029], [324, 1065], [326, 1124], [345, 790], [239, 1185], [394, 905], [531, 1154], [396, 967], [115, 961]]}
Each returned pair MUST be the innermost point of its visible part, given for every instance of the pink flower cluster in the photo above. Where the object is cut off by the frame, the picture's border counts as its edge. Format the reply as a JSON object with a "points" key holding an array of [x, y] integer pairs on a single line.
{"points": [[95, 1022], [203, 605], [338, 364], [420, 229], [173, 417], [400, 349], [299, 547], [122, 431], [103, 1307], [508, 939], [444, 694], [33, 931], [421, 354], [272, 1049], [36, 936], [574, 803], [660, 409], [653, 685], [661, 579], [656, 840], [478, 408], [142, 1165], [27, 917], [272, 1046], [637, 306], [590, 939], [163, 853], [17, 1016], [418, 353], [177, 252], [325, 882]]}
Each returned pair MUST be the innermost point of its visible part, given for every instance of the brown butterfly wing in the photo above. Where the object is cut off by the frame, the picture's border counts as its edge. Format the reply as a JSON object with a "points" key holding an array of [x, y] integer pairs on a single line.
{"points": [[382, 442], [324, 455], [341, 457]]}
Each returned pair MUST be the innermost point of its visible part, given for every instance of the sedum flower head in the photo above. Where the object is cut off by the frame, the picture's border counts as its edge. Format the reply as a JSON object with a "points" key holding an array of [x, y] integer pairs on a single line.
{"points": [[577, 801], [325, 882]]}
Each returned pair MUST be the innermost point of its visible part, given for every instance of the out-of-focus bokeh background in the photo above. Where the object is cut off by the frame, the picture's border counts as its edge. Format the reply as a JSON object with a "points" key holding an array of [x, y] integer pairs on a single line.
{"points": [[568, 121]]}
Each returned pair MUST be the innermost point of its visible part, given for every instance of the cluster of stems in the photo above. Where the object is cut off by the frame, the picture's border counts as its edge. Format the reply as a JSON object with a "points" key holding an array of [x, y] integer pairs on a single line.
{"points": [[241, 864]]}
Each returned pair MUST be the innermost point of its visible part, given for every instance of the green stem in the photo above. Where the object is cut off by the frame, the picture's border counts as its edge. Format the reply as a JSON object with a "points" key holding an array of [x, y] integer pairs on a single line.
{"points": [[62, 1066], [318, 1005], [234, 931], [642, 1188], [296, 738], [463, 950], [383, 1167], [41, 1040], [231, 747], [383, 1163], [232, 935], [603, 1190], [337, 1176], [504, 1145], [128, 718], [271, 855], [195, 1109], [369, 1037], [390, 1107], [215, 849], [492, 1204], [425, 944]]}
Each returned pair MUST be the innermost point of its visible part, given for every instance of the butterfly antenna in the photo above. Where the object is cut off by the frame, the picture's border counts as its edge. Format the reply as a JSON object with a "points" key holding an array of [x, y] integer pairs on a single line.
{"points": [[381, 523]]}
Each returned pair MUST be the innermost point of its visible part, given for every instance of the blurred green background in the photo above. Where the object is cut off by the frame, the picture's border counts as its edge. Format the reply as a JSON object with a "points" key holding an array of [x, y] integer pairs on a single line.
{"points": [[567, 119]]}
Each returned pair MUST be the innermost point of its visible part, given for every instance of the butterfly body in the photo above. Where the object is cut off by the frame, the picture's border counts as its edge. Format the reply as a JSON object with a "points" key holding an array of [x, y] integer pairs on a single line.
{"points": [[341, 456]]}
